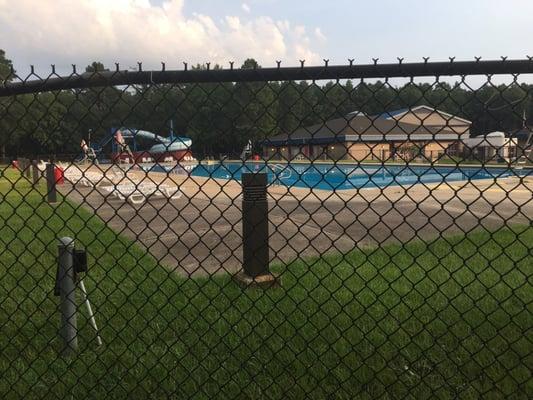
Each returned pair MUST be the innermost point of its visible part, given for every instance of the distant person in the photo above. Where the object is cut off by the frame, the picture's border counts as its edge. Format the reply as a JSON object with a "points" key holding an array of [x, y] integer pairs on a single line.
{"points": [[88, 153], [85, 149], [122, 145]]}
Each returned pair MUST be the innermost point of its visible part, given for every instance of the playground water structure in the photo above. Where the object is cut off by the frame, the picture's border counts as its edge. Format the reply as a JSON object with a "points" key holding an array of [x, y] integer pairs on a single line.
{"points": [[345, 176], [165, 149], [162, 149]]}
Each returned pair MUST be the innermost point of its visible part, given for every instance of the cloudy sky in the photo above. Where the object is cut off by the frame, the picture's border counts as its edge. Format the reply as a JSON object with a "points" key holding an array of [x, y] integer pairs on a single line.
{"points": [[65, 32]]}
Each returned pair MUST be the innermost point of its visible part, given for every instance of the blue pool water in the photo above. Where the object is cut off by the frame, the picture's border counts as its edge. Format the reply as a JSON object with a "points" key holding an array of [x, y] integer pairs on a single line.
{"points": [[342, 177]]}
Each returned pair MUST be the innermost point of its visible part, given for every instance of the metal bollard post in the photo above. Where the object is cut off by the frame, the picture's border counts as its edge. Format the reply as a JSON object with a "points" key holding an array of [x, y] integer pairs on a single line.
{"points": [[36, 172], [255, 235], [66, 285], [51, 183]]}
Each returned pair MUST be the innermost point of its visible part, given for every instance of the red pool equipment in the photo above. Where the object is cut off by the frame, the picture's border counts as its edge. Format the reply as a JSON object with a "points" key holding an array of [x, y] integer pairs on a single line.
{"points": [[59, 176]]}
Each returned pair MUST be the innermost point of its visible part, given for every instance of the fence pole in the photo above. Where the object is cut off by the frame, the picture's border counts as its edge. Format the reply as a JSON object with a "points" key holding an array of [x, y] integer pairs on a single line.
{"points": [[51, 183], [22, 166], [255, 272], [27, 170], [66, 282], [36, 172]]}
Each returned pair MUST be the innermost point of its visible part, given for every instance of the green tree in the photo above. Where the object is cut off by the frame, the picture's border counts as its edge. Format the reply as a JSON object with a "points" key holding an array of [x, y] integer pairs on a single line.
{"points": [[99, 109], [96, 66], [7, 120], [6, 67], [222, 117], [254, 111]]}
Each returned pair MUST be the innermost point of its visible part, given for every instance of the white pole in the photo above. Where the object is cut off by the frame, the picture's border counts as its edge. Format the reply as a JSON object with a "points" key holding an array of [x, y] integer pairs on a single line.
{"points": [[92, 320], [67, 295]]}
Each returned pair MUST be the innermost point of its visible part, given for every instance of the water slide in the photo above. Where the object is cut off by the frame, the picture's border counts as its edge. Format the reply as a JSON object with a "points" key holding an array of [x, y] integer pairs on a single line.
{"points": [[163, 144], [132, 133]]}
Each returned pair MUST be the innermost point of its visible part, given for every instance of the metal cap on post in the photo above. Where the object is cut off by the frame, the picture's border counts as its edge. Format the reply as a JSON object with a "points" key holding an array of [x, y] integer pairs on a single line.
{"points": [[255, 272], [66, 286]]}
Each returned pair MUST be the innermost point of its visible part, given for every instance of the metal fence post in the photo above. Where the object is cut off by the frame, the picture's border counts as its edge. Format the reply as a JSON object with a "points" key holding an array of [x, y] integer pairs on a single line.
{"points": [[255, 234], [22, 166], [66, 283], [27, 165], [35, 171], [51, 183]]}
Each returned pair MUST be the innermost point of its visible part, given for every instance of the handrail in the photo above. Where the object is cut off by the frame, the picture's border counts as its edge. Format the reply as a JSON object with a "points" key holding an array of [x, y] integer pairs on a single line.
{"points": [[279, 176]]}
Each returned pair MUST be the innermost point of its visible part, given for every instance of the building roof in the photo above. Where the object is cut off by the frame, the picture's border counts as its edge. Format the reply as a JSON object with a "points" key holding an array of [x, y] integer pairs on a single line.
{"points": [[496, 134], [391, 114], [356, 126], [397, 114], [493, 139]]}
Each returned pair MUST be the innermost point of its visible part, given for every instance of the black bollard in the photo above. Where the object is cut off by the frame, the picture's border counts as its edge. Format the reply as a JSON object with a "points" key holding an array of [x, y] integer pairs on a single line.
{"points": [[51, 183], [255, 272]]}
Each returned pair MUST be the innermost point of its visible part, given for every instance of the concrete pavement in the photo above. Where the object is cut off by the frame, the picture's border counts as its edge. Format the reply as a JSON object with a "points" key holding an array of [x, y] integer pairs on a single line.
{"points": [[200, 233]]}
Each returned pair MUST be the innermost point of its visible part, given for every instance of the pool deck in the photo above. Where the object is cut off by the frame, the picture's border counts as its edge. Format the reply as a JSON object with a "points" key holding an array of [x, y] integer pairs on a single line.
{"points": [[200, 233]]}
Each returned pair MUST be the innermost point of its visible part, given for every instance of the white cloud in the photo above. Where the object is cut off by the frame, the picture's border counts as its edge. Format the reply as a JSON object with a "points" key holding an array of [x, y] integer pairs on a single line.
{"points": [[127, 31], [245, 7], [320, 36]]}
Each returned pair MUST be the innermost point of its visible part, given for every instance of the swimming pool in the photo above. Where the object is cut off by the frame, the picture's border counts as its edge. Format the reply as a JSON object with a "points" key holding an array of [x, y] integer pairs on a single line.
{"points": [[344, 176]]}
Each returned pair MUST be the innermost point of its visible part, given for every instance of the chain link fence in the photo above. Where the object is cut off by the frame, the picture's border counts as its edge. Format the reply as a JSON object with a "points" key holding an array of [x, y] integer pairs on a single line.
{"points": [[357, 231]]}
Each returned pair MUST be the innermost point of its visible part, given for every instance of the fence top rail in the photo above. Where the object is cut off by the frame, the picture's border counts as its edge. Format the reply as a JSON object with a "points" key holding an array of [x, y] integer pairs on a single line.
{"points": [[33, 83]]}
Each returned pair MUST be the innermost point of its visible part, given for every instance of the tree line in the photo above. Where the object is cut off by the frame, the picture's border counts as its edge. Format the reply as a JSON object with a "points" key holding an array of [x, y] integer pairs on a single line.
{"points": [[223, 117]]}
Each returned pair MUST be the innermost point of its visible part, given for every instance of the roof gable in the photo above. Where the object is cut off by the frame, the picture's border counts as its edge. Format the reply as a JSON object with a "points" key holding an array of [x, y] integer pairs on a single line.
{"points": [[398, 114]]}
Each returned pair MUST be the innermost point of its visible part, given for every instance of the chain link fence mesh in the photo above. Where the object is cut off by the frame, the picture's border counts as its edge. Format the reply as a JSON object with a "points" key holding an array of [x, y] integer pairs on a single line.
{"points": [[396, 229]]}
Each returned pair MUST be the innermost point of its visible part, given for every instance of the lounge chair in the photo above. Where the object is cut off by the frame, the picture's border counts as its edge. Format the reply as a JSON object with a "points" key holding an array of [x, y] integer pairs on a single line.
{"points": [[84, 178], [41, 166], [96, 178], [139, 193]]}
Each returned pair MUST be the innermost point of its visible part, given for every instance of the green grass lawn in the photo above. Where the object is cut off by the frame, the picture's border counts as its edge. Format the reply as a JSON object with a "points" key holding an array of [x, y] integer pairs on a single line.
{"points": [[446, 319]]}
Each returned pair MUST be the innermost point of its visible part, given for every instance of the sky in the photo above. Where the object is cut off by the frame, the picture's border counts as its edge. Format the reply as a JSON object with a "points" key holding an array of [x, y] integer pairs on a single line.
{"points": [[65, 32]]}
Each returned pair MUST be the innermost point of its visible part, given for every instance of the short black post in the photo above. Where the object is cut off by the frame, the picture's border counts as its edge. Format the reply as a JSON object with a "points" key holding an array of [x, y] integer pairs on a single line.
{"points": [[255, 272], [51, 183], [36, 172]]}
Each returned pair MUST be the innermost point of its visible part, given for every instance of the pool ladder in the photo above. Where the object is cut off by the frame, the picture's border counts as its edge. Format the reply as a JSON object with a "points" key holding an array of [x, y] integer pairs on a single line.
{"points": [[280, 172]]}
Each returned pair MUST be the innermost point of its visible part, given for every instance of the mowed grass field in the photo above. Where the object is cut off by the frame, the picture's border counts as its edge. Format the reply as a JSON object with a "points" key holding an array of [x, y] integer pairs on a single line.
{"points": [[451, 318]]}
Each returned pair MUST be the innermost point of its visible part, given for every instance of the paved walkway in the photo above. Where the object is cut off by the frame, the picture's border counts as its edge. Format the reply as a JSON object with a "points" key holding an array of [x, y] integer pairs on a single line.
{"points": [[201, 232]]}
